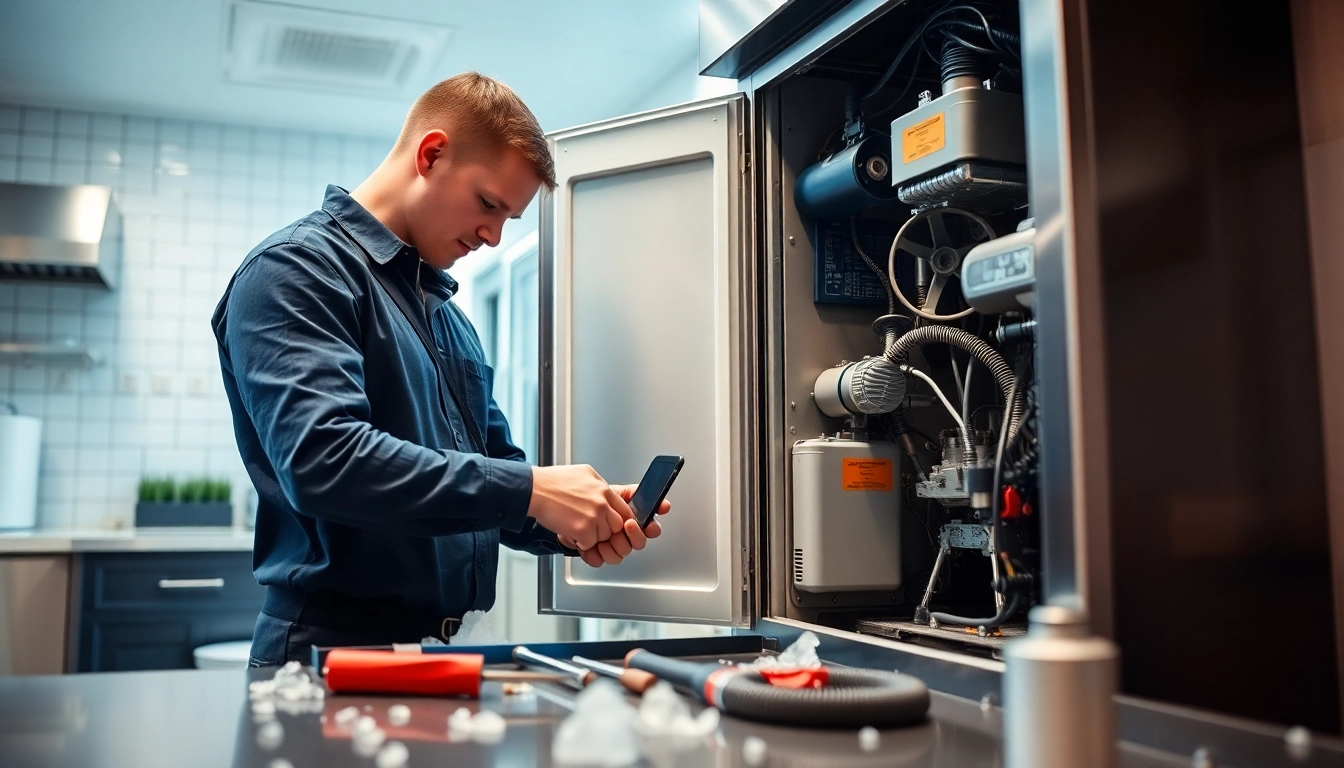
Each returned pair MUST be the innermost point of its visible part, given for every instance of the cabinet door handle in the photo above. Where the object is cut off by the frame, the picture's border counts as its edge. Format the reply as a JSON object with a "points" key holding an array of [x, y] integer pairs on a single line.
{"points": [[191, 583]]}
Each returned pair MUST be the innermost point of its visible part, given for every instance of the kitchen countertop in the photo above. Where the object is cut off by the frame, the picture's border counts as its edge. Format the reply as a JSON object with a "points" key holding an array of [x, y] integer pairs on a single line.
{"points": [[63, 541], [203, 718]]}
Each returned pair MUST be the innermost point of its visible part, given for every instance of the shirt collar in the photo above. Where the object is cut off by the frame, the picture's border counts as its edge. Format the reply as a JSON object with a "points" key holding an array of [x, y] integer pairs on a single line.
{"points": [[372, 234]]}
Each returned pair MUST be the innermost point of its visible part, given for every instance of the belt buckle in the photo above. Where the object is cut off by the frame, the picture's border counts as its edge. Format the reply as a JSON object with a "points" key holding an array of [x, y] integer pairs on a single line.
{"points": [[445, 632]]}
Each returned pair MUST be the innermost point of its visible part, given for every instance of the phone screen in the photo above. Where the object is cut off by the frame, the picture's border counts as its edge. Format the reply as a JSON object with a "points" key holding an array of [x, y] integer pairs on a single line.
{"points": [[653, 488]]}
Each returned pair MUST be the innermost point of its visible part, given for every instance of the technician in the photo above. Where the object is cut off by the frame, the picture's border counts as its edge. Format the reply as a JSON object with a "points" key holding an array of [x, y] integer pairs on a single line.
{"points": [[361, 398]]}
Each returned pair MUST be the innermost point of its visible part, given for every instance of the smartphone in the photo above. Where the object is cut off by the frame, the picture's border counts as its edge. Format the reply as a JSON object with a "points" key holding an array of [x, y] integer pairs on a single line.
{"points": [[654, 487]]}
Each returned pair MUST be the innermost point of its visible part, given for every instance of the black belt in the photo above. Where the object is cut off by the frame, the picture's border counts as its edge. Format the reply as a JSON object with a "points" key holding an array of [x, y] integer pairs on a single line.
{"points": [[364, 617]]}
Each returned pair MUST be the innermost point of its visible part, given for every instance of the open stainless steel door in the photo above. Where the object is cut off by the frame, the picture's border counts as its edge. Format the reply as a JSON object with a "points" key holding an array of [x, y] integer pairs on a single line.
{"points": [[648, 332]]}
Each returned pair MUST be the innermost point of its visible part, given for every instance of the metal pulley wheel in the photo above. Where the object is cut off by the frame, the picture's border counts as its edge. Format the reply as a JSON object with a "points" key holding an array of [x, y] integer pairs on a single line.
{"points": [[943, 254]]}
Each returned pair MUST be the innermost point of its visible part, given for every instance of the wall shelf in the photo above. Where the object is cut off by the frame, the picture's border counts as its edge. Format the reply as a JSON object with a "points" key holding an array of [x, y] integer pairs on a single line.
{"points": [[64, 353]]}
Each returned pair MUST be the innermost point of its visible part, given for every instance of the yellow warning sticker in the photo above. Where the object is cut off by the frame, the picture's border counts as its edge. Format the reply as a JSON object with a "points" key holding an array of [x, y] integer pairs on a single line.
{"points": [[865, 474], [923, 139]]}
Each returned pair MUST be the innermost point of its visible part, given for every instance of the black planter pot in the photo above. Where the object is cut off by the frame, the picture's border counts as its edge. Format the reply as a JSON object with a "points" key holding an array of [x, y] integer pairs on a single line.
{"points": [[164, 514]]}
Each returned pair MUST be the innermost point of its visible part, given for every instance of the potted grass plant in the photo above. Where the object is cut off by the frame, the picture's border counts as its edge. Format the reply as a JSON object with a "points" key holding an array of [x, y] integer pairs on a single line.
{"points": [[198, 501]]}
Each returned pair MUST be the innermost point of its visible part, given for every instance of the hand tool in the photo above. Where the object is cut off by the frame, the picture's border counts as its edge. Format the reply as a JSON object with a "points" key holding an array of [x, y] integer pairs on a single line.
{"points": [[439, 674], [634, 680], [575, 677], [854, 697]]}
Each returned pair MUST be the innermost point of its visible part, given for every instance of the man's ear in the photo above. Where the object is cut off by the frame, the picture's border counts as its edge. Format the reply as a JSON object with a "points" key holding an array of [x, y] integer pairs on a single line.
{"points": [[433, 149]]}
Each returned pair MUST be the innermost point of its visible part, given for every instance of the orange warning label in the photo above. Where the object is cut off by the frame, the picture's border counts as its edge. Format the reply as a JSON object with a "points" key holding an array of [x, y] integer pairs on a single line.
{"points": [[865, 474], [923, 139]]}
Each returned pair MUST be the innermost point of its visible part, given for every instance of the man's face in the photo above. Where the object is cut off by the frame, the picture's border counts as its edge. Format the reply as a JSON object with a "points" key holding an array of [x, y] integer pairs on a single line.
{"points": [[460, 205]]}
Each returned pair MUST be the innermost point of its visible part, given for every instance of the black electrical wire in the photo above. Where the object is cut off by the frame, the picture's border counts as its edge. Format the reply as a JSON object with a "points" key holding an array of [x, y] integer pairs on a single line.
{"points": [[1001, 43]]}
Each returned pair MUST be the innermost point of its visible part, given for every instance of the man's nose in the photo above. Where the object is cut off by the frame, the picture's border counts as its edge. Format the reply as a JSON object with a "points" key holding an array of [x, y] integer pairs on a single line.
{"points": [[489, 235]]}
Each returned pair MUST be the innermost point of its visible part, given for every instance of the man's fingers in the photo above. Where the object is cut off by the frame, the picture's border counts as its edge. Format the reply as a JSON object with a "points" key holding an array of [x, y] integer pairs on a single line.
{"points": [[609, 555], [635, 535], [665, 507], [653, 530], [624, 491], [591, 557], [617, 503], [621, 542]]}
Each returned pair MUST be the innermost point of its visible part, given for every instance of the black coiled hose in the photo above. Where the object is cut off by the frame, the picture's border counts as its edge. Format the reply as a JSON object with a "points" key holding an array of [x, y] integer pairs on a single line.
{"points": [[854, 697], [942, 334]]}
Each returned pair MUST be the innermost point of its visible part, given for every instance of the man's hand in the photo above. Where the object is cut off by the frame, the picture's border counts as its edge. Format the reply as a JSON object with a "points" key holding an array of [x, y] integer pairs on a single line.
{"points": [[623, 542], [574, 502]]}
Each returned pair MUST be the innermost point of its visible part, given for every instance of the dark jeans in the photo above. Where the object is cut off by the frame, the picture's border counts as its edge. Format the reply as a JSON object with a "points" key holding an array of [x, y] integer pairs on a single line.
{"points": [[276, 641]]}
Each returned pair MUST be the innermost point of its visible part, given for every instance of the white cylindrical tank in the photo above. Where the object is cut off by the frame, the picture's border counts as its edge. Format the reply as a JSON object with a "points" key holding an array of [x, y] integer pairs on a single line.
{"points": [[846, 515]]}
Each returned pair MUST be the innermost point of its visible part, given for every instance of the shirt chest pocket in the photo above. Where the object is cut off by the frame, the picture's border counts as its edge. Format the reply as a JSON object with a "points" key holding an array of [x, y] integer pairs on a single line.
{"points": [[477, 378]]}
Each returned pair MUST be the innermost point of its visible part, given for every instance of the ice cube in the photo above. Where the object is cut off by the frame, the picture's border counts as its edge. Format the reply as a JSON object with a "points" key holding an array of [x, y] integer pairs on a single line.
{"points": [[281, 762], [270, 735], [664, 713], [488, 727], [869, 739], [393, 755], [365, 724], [367, 743], [600, 730], [263, 707], [346, 718], [478, 628], [801, 655], [398, 714], [753, 751]]}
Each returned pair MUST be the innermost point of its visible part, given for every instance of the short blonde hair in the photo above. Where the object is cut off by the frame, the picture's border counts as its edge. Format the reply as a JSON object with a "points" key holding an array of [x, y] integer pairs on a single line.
{"points": [[483, 116]]}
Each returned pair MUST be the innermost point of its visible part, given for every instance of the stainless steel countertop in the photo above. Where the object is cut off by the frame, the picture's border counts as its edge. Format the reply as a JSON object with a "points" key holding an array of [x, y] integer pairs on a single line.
{"points": [[203, 718], [60, 541]]}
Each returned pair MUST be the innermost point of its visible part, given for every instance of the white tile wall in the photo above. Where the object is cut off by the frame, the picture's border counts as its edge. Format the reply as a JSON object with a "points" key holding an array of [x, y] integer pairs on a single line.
{"points": [[196, 197]]}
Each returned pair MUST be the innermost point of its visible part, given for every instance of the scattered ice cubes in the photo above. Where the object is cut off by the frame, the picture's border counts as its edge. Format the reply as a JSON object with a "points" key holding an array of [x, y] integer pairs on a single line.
{"points": [[394, 754], [488, 727], [365, 724], [801, 655], [869, 739], [270, 735], [346, 718], [600, 730], [478, 628], [663, 712], [398, 714], [754, 751], [366, 742]]}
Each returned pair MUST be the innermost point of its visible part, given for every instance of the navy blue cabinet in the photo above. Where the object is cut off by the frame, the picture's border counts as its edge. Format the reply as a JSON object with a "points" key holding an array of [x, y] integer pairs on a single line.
{"points": [[149, 610]]}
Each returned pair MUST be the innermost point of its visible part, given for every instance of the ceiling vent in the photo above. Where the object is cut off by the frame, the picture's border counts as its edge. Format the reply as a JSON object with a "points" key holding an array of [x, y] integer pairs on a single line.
{"points": [[296, 47]]}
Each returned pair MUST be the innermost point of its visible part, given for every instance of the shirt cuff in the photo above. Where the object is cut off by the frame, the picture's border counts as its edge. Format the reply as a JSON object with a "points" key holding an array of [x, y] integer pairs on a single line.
{"points": [[510, 484]]}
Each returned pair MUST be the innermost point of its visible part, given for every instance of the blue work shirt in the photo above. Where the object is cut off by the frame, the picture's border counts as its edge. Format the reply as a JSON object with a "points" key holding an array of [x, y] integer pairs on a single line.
{"points": [[368, 483]]}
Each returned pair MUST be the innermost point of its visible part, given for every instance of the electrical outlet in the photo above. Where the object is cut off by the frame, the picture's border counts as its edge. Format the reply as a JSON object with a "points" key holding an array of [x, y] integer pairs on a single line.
{"points": [[162, 384], [63, 381], [196, 386], [128, 384]]}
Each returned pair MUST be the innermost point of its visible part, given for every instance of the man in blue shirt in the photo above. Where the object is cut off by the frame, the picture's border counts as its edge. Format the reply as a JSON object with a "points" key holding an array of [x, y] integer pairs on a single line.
{"points": [[385, 473]]}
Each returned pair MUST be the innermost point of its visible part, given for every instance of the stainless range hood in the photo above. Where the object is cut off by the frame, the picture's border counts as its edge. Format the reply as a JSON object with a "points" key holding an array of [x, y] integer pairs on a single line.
{"points": [[59, 234]]}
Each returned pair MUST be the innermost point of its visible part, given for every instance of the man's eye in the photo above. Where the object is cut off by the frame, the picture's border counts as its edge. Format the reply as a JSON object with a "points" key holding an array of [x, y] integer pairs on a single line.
{"points": [[488, 205]]}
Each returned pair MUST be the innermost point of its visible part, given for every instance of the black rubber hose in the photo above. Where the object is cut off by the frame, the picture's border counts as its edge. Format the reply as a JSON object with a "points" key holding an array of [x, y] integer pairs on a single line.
{"points": [[992, 622], [854, 698], [943, 334]]}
